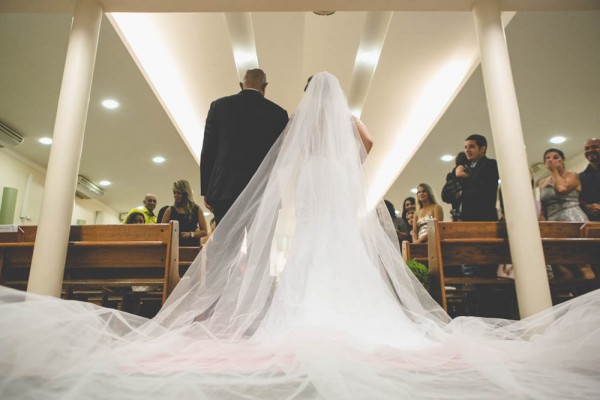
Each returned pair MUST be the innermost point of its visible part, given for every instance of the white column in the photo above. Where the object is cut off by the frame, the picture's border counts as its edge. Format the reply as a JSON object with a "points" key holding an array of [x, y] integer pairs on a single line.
{"points": [[61, 179], [533, 292]]}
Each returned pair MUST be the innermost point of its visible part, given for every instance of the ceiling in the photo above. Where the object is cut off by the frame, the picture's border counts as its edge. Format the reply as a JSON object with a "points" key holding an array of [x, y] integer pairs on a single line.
{"points": [[555, 58]]}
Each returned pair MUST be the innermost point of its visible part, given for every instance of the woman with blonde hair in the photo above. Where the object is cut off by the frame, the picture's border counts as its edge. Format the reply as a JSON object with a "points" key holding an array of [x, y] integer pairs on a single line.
{"points": [[427, 209], [192, 225]]}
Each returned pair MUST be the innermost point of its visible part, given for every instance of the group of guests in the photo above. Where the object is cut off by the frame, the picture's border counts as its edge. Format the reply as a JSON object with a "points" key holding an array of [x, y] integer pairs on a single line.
{"points": [[240, 129], [472, 190], [192, 224], [412, 223]]}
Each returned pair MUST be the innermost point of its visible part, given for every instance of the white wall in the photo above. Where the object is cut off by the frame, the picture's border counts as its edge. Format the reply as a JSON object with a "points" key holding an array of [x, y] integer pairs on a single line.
{"points": [[14, 171]]}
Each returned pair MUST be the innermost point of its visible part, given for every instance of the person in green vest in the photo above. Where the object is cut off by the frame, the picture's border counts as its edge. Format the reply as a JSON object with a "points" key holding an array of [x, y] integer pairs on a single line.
{"points": [[148, 210]]}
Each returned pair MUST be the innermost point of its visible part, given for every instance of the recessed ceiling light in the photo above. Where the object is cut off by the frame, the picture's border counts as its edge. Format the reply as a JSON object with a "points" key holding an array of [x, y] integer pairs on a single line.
{"points": [[413, 190], [104, 183], [45, 140], [447, 157], [558, 139], [159, 160], [110, 104], [207, 214]]}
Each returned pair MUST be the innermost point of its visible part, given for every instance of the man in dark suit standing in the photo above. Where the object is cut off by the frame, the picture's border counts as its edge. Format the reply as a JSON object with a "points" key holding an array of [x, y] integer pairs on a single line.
{"points": [[479, 193], [239, 132], [479, 190]]}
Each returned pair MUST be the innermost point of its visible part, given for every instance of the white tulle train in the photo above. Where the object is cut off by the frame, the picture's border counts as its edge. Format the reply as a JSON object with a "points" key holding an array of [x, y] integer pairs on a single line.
{"points": [[300, 293]]}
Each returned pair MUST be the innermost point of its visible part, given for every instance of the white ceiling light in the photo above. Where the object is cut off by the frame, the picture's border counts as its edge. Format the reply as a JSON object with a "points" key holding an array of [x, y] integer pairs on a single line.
{"points": [[104, 183], [45, 140], [558, 139], [413, 190], [159, 160], [447, 158], [110, 104]]}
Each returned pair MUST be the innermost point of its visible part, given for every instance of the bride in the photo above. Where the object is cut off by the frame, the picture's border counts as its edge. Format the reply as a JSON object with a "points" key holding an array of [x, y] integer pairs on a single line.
{"points": [[300, 293]]}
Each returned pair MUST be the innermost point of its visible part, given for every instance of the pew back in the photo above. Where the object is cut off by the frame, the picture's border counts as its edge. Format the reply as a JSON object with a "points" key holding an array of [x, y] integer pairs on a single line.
{"points": [[187, 254], [415, 251], [486, 243], [99, 257]]}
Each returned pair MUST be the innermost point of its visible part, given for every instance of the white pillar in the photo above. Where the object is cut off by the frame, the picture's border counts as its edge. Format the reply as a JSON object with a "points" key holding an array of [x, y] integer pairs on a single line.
{"points": [[52, 236], [533, 291]]}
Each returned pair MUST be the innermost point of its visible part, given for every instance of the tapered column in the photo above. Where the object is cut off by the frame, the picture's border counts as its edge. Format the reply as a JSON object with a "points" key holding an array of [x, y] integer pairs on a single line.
{"points": [[533, 292], [61, 179]]}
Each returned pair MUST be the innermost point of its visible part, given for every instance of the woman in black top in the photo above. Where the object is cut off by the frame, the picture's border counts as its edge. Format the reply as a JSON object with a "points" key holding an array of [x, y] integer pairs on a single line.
{"points": [[192, 225]]}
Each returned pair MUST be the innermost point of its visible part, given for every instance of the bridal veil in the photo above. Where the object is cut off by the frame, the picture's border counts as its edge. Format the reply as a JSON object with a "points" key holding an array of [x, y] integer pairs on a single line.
{"points": [[300, 293]]}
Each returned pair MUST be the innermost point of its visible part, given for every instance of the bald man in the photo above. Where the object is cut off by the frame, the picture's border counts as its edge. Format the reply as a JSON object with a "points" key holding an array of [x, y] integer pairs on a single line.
{"points": [[590, 180], [148, 210], [239, 132]]}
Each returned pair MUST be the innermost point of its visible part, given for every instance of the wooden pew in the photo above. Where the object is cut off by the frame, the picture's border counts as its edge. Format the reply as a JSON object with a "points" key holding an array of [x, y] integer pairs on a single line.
{"points": [[187, 254], [451, 244], [591, 230], [101, 260], [415, 251]]}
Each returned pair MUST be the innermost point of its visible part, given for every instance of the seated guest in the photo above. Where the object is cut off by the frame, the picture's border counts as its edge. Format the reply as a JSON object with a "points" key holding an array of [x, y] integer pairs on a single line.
{"points": [[135, 217], [427, 209], [192, 224], [148, 210]]}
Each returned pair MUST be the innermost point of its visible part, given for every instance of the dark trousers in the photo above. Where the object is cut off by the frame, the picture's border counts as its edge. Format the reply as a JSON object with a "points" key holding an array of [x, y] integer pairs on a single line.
{"points": [[220, 208]]}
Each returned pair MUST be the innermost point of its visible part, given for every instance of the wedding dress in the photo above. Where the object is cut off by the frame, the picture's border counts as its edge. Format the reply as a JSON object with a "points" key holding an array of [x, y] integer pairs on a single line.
{"points": [[300, 293]]}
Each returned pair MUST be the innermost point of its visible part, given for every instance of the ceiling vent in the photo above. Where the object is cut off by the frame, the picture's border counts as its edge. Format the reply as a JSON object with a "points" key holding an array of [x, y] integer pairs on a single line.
{"points": [[9, 137], [87, 190]]}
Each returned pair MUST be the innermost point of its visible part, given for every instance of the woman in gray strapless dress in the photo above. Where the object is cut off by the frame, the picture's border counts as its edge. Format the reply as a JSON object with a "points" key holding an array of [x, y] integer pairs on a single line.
{"points": [[559, 195], [561, 206]]}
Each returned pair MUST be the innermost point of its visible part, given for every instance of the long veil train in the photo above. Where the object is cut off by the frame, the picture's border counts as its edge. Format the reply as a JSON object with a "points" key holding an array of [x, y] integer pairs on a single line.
{"points": [[300, 293]]}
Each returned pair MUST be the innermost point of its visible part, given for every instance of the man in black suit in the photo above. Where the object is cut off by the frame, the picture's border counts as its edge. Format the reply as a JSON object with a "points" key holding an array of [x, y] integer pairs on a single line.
{"points": [[479, 192], [239, 132]]}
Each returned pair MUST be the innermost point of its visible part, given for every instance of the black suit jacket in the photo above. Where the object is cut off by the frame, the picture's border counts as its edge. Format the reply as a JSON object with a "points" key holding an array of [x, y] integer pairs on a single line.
{"points": [[480, 191], [239, 132]]}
